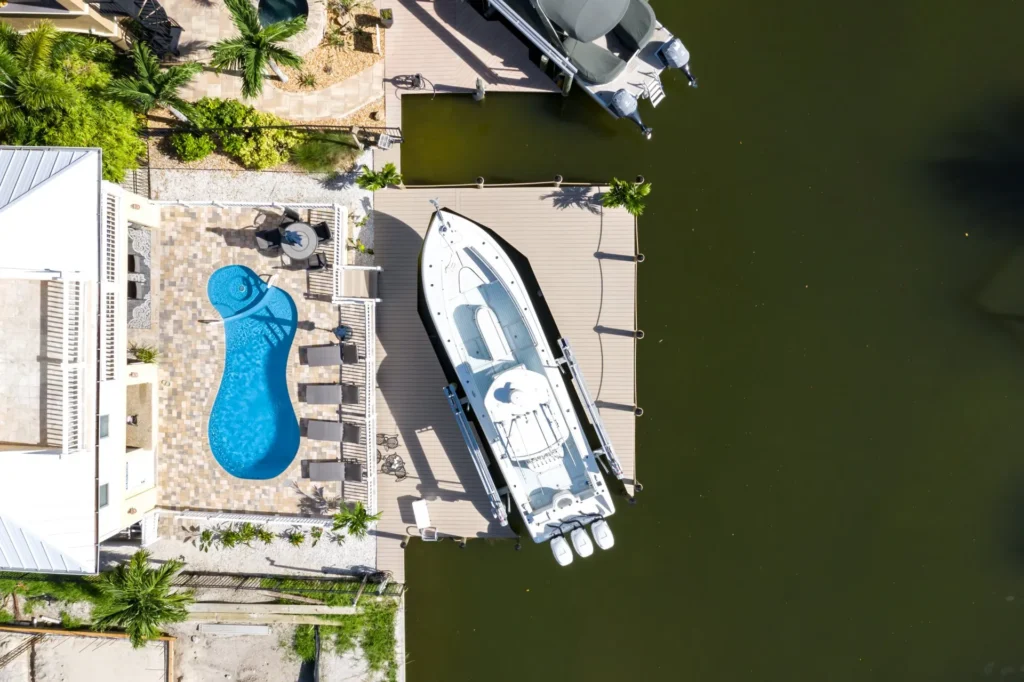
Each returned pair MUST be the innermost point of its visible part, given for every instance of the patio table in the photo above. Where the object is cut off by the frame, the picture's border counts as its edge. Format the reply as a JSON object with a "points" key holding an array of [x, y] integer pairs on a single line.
{"points": [[305, 237]]}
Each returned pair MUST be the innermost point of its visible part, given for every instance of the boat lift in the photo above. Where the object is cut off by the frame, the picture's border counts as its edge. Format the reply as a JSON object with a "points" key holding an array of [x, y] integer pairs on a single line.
{"points": [[569, 360], [476, 454]]}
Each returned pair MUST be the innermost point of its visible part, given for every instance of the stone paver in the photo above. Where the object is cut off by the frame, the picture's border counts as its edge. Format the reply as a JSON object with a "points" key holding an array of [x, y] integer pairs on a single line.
{"points": [[204, 22], [335, 101], [193, 242]]}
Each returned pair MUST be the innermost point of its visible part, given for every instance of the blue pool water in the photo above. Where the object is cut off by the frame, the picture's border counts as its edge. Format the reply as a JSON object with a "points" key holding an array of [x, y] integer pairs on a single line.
{"points": [[253, 431], [272, 11]]}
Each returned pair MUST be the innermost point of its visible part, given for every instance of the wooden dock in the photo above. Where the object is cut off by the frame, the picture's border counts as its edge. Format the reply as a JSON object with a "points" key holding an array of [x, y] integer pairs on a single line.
{"points": [[450, 44], [583, 257]]}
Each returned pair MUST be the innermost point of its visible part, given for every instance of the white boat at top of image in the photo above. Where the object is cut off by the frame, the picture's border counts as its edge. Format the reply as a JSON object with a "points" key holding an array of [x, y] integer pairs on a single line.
{"points": [[486, 331]]}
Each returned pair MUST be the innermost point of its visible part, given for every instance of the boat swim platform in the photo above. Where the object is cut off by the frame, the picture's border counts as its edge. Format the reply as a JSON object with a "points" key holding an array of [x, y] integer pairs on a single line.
{"points": [[450, 44], [583, 256]]}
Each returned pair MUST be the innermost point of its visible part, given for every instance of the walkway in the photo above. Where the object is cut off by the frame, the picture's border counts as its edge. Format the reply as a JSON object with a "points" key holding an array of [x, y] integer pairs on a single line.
{"points": [[451, 45], [336, 101], [582, 255]]}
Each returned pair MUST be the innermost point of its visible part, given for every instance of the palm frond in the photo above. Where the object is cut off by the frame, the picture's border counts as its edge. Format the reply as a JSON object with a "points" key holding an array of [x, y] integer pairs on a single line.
{"points": [[9, 37], [132, 92], [146, 63], [229, 53], [283, 30], [244, 16], [175, 77], [252, 74], [284, 56], [41, 89], [35, 47]]}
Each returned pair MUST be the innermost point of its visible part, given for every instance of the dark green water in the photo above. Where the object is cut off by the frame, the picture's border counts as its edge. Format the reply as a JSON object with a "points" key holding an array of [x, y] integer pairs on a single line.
{"points": [[832, 446]]}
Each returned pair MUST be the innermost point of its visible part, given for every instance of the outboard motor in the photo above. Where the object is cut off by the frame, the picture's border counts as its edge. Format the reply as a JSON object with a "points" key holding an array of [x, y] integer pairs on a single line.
{"points": [[624, 105], [581, 543], [560, 548], [676, 56]]}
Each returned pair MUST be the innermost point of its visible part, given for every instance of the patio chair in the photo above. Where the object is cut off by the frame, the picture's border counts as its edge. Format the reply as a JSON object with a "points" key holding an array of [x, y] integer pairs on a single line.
{"points": [[316, 262], [350, 353], [323, 232], [292, 215], [325, 471], [335, 432], [134, 263], [332, 394], [419, 511], [323, 356], [355, 472], [135, 291], [268, 240], [637, 27]]}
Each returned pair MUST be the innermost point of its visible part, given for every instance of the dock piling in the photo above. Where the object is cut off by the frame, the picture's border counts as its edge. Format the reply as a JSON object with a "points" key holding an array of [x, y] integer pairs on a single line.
{"points": [[479, 182]]}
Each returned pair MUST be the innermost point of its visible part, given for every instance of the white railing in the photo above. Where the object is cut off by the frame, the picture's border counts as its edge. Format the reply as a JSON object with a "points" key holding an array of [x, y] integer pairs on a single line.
{"points": [[72, 367], [282, 519], [340, 253], [113, 234], [370, 392]]}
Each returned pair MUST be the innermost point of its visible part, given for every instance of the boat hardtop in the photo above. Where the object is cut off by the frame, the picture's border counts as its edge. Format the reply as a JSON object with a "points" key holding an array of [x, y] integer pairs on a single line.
{"points": [[510, 380]]}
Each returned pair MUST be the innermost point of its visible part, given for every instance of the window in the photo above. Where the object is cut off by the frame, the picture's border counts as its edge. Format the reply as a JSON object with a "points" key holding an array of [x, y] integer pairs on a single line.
{"points": [[104, 425], [104, 495]]}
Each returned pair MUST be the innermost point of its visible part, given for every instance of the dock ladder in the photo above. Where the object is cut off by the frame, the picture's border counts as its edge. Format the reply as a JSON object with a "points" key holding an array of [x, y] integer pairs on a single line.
{"points": [[569, 360], [476, 454], [653, 90]]}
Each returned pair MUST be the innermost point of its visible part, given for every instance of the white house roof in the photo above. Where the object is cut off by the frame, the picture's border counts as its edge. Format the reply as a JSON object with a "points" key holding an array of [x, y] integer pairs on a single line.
{"points": [[23, 550], [50, 209]]}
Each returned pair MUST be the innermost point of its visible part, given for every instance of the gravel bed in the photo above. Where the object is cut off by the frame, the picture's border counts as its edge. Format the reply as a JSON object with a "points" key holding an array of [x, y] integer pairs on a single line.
{"points": [[269, 186]]}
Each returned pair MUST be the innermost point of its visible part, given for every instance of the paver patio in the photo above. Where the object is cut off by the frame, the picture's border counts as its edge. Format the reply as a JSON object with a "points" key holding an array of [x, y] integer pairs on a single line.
{"points": [[193, 243]]}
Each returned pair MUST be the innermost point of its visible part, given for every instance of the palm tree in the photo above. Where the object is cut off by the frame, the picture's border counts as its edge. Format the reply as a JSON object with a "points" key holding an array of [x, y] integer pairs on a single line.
{"points": [[32, 74], [355, 520], [375, 180], [257, 48], [138, 599], [152, 86], [628, 195]]}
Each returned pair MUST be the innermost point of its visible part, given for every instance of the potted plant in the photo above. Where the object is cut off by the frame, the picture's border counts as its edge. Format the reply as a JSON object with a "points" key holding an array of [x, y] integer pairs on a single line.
{"points": [[387, 18]]}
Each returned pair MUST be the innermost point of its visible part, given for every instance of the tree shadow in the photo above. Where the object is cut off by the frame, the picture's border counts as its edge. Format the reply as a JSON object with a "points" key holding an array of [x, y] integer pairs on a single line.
{"points": [[575, 197]]}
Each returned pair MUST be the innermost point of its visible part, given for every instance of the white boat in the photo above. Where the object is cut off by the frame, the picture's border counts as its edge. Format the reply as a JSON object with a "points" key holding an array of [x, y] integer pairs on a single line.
{"points": [[506, 378]]}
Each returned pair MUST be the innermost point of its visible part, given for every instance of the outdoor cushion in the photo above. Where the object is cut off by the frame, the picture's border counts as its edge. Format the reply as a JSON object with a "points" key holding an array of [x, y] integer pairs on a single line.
{"points": [[596, 65], [637, 26], [584, 20]]}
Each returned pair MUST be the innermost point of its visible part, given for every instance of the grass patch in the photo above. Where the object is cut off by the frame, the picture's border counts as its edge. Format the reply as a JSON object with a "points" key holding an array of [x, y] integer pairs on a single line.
{"points": [[69, 622], [325, 152], [53, 588], [373, 631], [308, 588]]}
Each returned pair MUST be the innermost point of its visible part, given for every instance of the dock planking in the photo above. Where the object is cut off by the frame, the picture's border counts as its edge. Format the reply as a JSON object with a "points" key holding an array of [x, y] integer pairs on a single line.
{"points": [[582, 255]]}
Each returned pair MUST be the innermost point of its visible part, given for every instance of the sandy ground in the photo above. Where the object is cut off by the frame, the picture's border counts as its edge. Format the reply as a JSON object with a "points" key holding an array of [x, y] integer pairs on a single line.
{"points": [[60, 658], [202, 657]]}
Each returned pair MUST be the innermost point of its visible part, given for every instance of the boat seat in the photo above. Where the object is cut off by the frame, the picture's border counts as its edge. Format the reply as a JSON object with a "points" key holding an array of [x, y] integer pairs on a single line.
{"points": [[492, 335], [595, 64], [637, 26]]}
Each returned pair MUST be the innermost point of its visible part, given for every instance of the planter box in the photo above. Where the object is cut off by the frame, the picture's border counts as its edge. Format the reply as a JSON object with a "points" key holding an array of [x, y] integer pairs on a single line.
{"points": [[387, 18]]}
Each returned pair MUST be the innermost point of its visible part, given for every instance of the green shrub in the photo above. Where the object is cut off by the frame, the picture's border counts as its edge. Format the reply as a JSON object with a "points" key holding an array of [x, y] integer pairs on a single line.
{"points": [[296, 538], [206, 539], [145, 354], [6, 616], [258, 147], [264, 536], [189, 147], [69, 622], [325, 152], [229, 538]]}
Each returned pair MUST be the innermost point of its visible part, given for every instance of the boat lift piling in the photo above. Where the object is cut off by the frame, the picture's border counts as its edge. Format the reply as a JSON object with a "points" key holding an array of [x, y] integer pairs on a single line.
{"points": [[606, 450], [476, 454]]}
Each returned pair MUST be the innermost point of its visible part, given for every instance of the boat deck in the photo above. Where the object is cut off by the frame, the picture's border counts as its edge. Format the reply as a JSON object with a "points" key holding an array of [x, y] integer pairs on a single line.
{"points": [[583, 257], [450, 44]]}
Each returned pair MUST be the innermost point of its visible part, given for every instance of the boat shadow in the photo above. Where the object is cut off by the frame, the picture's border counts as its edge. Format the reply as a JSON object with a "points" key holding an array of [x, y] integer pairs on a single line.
{"points": [[410, 379]]}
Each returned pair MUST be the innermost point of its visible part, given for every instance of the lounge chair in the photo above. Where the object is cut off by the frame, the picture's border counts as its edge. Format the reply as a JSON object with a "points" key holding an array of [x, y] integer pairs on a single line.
{"points": [[332, 394], [325, 471], [596, 65], [637, 26], [325, 356], [355, 472], [323, 232], [316, 262], [292, 215], [336, 432], [422, 516], [268, 240]]}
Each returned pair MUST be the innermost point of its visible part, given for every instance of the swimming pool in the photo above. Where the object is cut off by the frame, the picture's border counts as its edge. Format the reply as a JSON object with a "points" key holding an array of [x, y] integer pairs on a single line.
{"points": [[253, 431], [272, 11]]}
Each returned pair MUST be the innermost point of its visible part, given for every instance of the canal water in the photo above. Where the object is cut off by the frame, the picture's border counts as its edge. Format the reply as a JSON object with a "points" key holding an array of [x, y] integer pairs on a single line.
{"points": [[832, 446]]}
